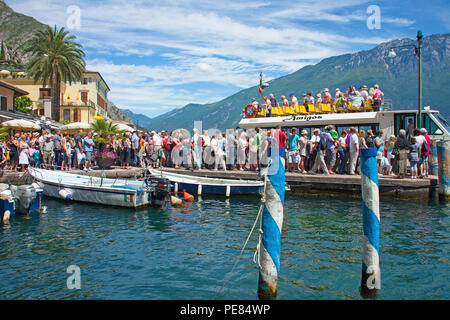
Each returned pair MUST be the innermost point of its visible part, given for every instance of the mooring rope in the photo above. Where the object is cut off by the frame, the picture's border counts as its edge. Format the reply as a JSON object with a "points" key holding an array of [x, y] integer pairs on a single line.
{"points": [[261, 207]]}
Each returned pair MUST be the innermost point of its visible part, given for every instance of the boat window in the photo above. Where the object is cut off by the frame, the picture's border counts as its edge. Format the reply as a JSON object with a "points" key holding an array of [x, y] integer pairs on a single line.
{"points": [[401, 121], [430, 125], [442, 121]]}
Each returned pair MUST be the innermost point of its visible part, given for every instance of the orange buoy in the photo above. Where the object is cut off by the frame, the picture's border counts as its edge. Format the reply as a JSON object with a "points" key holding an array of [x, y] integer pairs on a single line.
{"points": [[187, 196]]}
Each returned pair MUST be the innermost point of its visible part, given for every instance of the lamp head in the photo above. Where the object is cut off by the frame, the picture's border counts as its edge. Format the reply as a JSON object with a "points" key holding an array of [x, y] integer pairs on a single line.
{"points": [[419, 35]]}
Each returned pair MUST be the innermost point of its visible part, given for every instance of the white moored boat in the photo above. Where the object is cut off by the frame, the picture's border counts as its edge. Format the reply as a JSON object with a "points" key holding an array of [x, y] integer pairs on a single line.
{"points": [[114, 192], [205, 185]]}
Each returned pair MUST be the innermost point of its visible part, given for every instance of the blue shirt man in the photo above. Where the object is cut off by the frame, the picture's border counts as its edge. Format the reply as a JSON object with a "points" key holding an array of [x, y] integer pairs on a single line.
{"points": [[88, 144], [135, 141]]}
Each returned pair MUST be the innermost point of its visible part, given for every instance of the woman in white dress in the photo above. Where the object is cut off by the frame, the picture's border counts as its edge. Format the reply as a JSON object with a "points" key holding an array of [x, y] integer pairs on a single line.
{"points": [[23, 157], [242, 145]]}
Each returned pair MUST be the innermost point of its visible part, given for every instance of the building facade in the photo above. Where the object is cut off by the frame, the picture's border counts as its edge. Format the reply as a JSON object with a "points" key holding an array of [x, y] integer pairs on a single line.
{"points": [[80, 101], [8, 93]]}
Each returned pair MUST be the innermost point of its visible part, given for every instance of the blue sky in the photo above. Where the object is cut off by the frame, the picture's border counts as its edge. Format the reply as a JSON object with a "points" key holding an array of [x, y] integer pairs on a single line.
{"points": [[160, 55]]}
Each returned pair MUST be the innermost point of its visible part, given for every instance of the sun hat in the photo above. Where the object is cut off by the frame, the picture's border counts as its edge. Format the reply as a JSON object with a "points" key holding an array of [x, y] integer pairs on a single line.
{"points": [[423, 130], [326, 90], [304, 132]]}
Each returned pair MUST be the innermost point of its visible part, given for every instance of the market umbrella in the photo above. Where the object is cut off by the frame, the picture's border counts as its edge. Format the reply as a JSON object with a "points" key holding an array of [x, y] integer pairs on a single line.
{"points": [[21, 124], [75, 126], [124, 127]]}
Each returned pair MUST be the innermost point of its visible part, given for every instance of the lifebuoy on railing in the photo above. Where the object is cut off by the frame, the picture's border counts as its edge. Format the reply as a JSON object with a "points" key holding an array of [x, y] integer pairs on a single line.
{"points": [[250, 111]]}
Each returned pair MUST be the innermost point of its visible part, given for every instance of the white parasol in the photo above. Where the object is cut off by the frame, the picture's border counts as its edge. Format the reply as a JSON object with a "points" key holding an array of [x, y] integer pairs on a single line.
{"points": [[124, 127], [75, 126], [21, 124]]}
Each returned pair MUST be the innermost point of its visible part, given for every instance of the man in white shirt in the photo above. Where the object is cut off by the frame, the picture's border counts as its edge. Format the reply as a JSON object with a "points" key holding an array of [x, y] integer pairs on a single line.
{"points": [[294, 100], [196, 144], [363, 92], [354, 149]]}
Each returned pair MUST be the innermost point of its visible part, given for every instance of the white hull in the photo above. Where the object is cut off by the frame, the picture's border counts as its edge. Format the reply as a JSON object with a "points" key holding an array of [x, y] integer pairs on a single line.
{"points": [[81, 188]]}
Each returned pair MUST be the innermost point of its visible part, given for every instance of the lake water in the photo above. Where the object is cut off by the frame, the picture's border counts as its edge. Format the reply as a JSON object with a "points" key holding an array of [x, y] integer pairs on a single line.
{"points": [[187, 252]]}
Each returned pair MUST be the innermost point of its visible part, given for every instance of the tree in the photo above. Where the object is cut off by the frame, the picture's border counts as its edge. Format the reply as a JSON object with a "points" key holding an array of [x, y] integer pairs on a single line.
{"points": [[2, 52], [23, 104], [55, 57], [104, 130]]}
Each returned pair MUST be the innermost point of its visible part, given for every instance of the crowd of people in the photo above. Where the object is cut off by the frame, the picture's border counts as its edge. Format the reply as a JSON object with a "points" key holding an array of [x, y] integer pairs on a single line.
{"points": [[357, 97], [326, 152]]}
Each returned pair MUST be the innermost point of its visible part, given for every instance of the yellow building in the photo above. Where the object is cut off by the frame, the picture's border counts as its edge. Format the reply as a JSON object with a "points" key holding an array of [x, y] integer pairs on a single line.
{"points": [[7, 95], [81, 101]]}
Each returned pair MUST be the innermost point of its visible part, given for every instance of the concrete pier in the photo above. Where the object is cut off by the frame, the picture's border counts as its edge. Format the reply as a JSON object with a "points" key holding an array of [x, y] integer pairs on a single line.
{"points": [[334, 185]]}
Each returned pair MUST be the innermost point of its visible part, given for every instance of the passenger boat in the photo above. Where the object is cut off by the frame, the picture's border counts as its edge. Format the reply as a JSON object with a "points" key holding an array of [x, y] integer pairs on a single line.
{"points": [[204, 185], [113, 192], [389, 121], [20, 200]]}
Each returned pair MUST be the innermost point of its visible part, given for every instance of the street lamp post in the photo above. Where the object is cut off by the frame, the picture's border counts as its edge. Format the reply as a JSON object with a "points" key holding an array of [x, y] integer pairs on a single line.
{"points": [[418, 54]]}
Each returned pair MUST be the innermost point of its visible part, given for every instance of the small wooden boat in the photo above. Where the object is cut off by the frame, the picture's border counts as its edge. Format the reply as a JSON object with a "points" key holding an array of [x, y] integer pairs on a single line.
{"points": [[204, 185], [113, 192]]}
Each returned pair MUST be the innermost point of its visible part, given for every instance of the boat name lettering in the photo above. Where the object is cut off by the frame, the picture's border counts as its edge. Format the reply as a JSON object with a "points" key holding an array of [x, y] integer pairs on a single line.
{"points": [[307, 118]]}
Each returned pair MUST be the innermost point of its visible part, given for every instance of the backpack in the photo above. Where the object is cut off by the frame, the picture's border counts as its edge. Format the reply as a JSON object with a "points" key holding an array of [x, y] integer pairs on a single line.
{"points": [[322, 143], [424, 148]]}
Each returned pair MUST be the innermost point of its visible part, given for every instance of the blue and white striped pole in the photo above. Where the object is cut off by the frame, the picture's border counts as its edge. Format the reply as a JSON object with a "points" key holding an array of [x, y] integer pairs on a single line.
{"points": [[370, 277], [271, 225]]}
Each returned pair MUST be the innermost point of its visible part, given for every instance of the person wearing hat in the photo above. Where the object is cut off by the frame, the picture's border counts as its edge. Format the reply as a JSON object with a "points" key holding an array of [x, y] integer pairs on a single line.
{"points": [[319, 161], [425, 152], [336, 93], [363, 92], [327, 99], [304, 100], [310, 98], [294, 103], [256, 105], [377, 95], [47, 148], [302, 150]]}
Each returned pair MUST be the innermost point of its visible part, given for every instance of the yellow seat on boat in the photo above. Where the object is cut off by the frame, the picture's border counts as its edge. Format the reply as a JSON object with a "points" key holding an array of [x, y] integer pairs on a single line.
{"points": [[326, 107], [292, 110], [317, 108], [262, 113], [302, 110], [368, 106], [279, 111], [311, 108], [350, 107]]}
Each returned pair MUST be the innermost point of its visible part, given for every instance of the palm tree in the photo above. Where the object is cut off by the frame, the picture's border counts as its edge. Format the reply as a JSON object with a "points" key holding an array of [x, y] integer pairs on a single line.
{"points": [[104, 130], [56, 57]]}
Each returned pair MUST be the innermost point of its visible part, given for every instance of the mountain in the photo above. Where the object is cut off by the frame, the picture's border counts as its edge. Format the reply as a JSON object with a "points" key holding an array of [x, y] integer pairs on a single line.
{"points": [[114, 113], [138, 119], [397, 78], [16, 29]]}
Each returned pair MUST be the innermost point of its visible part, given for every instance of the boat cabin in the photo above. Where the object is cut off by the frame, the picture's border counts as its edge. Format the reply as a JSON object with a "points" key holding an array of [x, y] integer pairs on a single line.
{"points": [[390, 122]]}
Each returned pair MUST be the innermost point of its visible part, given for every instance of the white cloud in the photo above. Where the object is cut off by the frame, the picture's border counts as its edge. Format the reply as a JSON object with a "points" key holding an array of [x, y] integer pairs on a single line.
{"points": [[147, 51]]}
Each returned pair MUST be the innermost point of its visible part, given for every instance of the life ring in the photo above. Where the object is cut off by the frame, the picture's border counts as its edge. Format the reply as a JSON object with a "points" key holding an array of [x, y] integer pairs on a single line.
{"points": [[252, 108]]}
